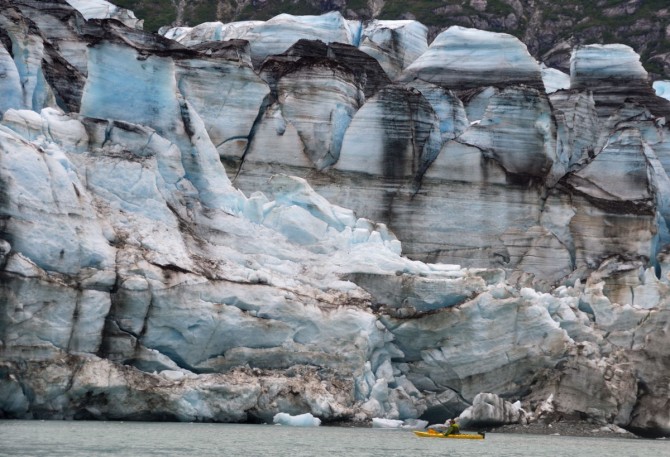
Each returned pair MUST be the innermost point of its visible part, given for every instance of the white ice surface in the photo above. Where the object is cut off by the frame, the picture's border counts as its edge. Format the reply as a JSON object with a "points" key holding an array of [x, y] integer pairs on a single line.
{"points": [[302, 420], [597, 62], [554, 79], [662, 89]]}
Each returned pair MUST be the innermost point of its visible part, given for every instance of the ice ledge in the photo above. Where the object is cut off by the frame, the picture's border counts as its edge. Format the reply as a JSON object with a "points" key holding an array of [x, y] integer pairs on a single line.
{"points": [[598, 64]]}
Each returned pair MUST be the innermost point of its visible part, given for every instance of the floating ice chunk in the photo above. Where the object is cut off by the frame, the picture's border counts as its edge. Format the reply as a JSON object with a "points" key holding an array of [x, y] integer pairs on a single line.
{"points": [[302, 420], [415, 424], [612, 428], [407, 424], [378, 422]]}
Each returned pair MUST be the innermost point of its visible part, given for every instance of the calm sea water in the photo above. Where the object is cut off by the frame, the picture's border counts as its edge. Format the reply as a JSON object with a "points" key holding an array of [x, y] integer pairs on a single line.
{"points": [[87, 439]]}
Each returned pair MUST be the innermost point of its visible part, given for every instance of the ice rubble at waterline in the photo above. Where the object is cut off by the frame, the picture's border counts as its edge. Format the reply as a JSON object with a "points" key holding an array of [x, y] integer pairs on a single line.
{"points": [[140, 282], [301, 420]]}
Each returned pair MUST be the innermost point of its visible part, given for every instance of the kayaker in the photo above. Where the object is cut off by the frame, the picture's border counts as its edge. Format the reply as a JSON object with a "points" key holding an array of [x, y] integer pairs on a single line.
{"points": [[453, 428]]}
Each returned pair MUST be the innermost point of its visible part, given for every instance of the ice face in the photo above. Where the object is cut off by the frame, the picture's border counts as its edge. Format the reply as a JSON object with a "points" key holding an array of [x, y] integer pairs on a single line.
{"points": [[143, 88], [10, 88], [50, 191], [133, 268], [662, 89], [28, 51], [279, 33], [102, 9], [449, 109], [517, 131], [320, 104], [376, 144], [395, 44], [613, 62], [554, 79], [227, 96], [466, 58]]}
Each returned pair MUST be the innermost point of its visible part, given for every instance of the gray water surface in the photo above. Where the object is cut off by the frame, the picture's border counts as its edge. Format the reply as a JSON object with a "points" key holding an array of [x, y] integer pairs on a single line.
{"points": [[86, 439]]}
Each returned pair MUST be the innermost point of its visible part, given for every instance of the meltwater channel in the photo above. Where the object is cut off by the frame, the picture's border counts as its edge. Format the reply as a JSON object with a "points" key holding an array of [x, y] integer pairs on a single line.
{"points": [[137, 439]]}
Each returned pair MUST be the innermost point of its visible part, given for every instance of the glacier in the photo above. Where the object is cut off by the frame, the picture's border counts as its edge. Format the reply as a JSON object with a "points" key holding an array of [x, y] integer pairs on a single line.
{"points": [[662, 88], [349, 223]]}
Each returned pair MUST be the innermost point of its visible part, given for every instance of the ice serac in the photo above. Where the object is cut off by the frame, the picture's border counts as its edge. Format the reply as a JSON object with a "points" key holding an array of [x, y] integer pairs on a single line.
{"points": [[102, 9], [210, 31], [270, 37], [614, 73], [510, 148], [490, 410], [554, 79], [63, 28], [447, 106], [22, 54], [279, 33], [592, 64], [139, 283], [614, 187], [517, 131], [394, 44], [461, 58], [401, 132], [316, 89], [119, 66], [225, 91], [577, 127], [662, 89], [10, 90]]}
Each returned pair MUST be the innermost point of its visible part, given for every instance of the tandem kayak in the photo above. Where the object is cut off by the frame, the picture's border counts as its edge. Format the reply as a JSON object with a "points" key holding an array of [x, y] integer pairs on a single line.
{"points": [[460, 436]]}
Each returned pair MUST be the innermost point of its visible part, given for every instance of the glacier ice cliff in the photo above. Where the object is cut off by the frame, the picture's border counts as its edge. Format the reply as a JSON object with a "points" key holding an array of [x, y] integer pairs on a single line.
{"points": [[215, 224]]}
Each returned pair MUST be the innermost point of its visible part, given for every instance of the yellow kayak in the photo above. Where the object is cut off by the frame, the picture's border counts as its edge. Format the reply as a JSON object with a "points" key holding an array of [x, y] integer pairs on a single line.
{"points": [[461, 436]]}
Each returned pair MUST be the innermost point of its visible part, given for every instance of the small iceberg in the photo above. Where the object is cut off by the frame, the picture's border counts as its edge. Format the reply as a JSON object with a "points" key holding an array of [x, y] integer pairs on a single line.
{"points": [[411, 424], [386, 423], [302, 420]]}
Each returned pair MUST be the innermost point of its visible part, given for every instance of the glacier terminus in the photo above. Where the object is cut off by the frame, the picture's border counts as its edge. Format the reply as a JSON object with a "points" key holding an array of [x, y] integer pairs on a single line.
{"points": [[314, 215]]}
